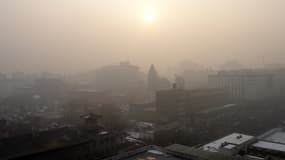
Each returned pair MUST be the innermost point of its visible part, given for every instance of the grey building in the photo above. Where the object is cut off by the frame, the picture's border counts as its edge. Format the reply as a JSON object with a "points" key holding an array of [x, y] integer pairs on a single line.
{"points": [[250, 84]]}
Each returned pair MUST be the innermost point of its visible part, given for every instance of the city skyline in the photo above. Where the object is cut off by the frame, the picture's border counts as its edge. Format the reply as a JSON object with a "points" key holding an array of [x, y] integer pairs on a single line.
{"points": [[73, 35]]}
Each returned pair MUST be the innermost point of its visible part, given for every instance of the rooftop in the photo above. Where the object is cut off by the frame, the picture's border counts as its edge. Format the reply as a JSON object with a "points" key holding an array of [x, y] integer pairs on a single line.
{"points": [[245, 72], [222, 108], [269, 146], [172, 152], [229, 142], [152, 154], [276, 135], [39, 142], [194, 153], [146, 153], [273, 140]]}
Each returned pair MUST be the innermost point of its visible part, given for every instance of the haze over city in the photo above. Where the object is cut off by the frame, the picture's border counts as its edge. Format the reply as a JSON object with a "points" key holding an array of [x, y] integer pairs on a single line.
{"points": [[76, 35], [142, 80]]}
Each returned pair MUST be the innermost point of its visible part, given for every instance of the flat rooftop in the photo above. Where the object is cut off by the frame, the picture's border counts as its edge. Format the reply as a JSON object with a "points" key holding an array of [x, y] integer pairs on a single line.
{"points": [[195, 153], [269, 146], [273, 140], [276, 135], [152, 154], [146, 153], [172, 152], [231, 141]]}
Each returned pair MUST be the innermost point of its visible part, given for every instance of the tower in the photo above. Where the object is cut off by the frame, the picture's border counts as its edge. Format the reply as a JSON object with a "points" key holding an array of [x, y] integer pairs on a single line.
{"points": [[153, 79]]}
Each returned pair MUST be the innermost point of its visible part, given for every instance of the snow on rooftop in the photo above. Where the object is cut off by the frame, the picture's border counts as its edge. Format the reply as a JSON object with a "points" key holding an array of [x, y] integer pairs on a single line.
{"points": [[228, 142], [269, 146]]}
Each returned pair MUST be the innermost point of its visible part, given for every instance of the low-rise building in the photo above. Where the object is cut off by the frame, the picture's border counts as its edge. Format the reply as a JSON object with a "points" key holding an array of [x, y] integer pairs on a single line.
{"points": [[270, 145], [142, 112], [172, 152], [62, 143], [229, 145]]}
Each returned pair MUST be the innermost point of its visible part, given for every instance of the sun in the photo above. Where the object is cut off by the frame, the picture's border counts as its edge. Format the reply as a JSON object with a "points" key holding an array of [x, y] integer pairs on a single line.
{"points": [[149, 16]]}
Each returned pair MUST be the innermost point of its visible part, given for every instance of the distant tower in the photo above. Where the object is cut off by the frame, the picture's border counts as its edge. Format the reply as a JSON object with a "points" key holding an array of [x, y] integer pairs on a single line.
{"points": [[180, 82], [153, 79]]}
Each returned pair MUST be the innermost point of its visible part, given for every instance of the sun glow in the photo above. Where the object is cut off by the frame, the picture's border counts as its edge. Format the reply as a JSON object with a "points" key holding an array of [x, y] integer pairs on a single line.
{"points": [[149, 16]]}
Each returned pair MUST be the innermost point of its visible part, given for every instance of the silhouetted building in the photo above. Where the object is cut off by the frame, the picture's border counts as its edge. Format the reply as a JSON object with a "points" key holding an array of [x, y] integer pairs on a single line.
{"points": [[196, 79], [178, 103], [179, 82], [155, 82], [152, 79], [250, 84], [83, 102], [8, 85], [91, 97], [62, 143], [119, 78], [143, 111], [51, 90]]}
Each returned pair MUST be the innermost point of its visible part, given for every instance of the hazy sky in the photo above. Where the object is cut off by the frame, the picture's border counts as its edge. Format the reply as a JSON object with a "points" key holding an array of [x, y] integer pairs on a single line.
{"points": [[74, 35]]}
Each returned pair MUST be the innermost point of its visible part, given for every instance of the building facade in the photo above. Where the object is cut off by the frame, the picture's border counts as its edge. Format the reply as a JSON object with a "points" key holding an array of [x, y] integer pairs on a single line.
{"points": [[179, 103], [250, 84]]}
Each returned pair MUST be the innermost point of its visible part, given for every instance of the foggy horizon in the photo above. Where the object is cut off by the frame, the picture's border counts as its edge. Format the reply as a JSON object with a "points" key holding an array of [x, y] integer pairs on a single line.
{"points": [[142, 80], [68, 36]]}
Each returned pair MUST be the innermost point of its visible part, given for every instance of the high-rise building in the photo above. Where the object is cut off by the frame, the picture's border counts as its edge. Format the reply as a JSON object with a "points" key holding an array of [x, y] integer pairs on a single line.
{"points": [[179, 82], [155, 82], [152, 79]]}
